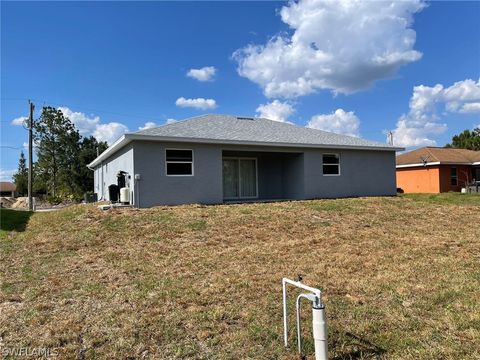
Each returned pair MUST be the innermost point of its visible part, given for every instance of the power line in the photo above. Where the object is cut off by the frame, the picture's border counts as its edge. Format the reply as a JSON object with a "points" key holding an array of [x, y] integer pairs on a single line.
{"points": [[81, 108], [10, 147]]}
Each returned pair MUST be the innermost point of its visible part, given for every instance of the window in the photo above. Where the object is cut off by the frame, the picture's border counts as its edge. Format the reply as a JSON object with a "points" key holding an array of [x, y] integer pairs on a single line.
{"points": [[179, 162], [331, 165], [453, 176]]}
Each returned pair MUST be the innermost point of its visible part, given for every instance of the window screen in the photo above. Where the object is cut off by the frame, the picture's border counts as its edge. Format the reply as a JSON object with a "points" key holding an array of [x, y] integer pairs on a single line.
{"points": [[179, 162], [331, 164], [453, 176]]}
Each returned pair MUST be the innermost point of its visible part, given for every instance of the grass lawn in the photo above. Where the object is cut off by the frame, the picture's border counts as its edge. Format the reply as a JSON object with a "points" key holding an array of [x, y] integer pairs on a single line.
{"points": [[401, 279]]}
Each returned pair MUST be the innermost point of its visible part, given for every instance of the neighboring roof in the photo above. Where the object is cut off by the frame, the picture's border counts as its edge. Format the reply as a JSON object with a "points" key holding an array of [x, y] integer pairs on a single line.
{"points": [[7, 186], [228, 129], [428, 156]]}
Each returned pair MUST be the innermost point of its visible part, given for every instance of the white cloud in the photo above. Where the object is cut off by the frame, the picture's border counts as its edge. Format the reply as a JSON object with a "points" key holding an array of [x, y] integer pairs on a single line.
{"points": [[85, 124], [19, 121], [463, 96], [343, 46], [109, 132], [422, 123], [204, 74], [148, 125], [275, 110], [151, 124], [92, 125], [6, 175], [198, 103], [410, 132], [88, 125], [470, 108], [340, 122]]}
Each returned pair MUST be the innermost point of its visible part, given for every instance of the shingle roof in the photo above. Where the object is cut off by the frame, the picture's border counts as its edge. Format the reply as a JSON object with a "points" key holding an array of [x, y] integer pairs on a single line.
{"points": [[438, 155], [254, 130], [7, 186], [228, 129]]}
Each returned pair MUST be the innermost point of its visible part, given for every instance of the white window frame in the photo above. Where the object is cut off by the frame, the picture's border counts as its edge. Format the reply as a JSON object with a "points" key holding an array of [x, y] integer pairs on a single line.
{"points": [[179, 162], [239, 184], [339, 162]]}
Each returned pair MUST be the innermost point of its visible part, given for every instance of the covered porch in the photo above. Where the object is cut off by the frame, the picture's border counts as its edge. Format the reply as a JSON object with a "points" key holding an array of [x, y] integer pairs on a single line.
{"points": [[474, 185], [261, 175]]}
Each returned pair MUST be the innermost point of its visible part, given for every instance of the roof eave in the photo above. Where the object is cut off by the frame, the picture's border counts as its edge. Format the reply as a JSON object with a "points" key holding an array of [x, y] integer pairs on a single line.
{"points": [[418, 165], [117, 145], [259, 143], [127, 138], [435, 163]]}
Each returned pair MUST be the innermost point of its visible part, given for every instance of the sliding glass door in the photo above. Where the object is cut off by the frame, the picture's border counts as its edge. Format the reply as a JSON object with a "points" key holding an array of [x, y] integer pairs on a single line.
{"points": [[239, 178], [230, 178]]}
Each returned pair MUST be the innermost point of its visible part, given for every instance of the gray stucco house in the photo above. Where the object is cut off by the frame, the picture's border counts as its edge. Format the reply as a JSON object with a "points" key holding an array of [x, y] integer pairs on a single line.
{"points": [[212, 159]]}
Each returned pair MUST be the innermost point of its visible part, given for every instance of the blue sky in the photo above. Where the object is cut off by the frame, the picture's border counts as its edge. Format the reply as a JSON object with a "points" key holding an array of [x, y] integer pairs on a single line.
{"points": [[115, 66]]}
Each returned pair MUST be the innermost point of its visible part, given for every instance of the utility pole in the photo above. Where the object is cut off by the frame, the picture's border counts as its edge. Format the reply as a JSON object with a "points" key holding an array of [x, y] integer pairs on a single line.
{"points": [[30, 155], [390, 137]]}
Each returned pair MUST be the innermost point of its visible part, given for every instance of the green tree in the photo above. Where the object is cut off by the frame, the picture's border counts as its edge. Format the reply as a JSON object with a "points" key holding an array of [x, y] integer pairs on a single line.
{"points": [[57, 146], [20, 178], [466, 140], [87, 152]]}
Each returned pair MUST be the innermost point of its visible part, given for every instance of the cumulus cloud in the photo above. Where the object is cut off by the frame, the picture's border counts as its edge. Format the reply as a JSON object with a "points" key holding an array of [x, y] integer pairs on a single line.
{"points": [[340, 122], [151, 124], [206, 73], [109, 132], [148, 125], [343, 46], [198, 103], [463, 96], [19, 121], [84, 123], [6, 175], [275, 110], [88, 125], [427, 107]]}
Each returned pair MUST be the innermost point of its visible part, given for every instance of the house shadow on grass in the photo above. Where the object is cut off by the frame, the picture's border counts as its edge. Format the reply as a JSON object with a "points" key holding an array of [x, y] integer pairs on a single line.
{"points": [[358, 348], [14, 220]]}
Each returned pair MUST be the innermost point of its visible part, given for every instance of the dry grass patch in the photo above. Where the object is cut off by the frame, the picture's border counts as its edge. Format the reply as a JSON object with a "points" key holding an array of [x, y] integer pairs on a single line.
{"points": [[400, 276]]}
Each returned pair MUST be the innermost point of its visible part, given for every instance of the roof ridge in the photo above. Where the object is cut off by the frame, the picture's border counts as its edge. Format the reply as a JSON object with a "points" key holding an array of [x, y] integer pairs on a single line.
{"points": [[173, 123]]}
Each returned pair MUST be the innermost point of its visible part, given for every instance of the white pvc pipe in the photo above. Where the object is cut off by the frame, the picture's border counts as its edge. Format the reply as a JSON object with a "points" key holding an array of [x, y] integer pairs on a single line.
{"points": [[319, 322], [298, 284], [312, 298]]}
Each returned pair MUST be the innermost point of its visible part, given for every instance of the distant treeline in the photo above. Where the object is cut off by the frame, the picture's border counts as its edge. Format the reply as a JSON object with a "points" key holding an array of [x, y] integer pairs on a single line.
{"points": [[60, 170]]}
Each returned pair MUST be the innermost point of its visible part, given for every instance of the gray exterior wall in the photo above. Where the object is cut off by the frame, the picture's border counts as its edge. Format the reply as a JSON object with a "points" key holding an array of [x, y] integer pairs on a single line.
{"points": [[283, 173], [156, 188], [106, 174], [362, 173]]}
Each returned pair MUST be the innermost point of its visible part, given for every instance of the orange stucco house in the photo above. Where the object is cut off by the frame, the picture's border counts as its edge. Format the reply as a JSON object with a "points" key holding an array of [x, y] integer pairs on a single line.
{"points": [[436, 170]]}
